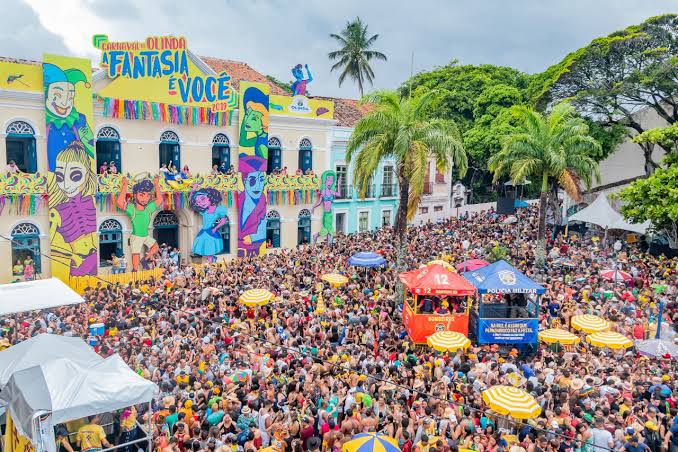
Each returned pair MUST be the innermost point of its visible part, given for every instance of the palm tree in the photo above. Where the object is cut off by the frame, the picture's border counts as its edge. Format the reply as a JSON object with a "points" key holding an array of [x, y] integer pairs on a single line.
{"points": [[554, 148], [400, 129], [355, 55]]}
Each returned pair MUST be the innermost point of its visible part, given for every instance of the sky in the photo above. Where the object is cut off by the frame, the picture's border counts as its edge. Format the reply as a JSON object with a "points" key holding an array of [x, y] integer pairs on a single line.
{"points": [[274, 35]]}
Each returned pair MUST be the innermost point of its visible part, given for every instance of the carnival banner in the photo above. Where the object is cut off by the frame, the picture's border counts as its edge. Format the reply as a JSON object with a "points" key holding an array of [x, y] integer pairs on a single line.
{"points": [[507, 331], [421, 326], [302, 106], [252, 162], [14, 440], [20, 77], [71, 178]]}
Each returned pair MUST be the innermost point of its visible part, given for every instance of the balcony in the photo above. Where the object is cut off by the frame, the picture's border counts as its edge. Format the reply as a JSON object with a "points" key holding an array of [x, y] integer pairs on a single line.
{"points": [[345, 192], [389, 190], [428, 188], [369, 192]]}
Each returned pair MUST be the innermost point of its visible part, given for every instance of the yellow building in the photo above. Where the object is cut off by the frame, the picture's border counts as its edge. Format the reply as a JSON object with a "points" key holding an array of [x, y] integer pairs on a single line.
{"points": [[140, 146]]}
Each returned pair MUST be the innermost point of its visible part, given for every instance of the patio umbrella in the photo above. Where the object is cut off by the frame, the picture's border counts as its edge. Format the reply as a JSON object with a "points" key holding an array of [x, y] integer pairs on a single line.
{"points": [[657, 348], [609, 339], [335, 279], [557, 336], [448, 341], [320, 305], [511, 401], [371, 442], [616, 275], [472, 264], [445, 264], [256, 297], [589, 323], [366, 259]]}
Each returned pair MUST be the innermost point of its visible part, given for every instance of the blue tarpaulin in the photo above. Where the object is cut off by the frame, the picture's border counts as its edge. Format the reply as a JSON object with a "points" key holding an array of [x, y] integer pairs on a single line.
{"points": [[501, 277], [520, 204], [366, 259]]}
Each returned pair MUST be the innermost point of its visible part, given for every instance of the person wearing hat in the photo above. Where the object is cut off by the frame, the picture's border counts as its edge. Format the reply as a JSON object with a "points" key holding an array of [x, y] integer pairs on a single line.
{"points": [[634, 445]]}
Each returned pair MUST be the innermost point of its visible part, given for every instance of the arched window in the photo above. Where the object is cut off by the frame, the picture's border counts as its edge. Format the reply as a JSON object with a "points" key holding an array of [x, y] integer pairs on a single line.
{"points": [[166, 228], [305, 155], [25, 248], [170, 150], [273, 229], [304, 227], [20, 143], [225, 233], [108, 150], [274, 155], [110, 241], [221, 152]]}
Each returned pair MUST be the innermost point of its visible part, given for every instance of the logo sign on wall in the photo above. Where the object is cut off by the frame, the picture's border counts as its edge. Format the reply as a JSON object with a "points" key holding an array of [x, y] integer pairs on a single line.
{"points": [[163, 58]]}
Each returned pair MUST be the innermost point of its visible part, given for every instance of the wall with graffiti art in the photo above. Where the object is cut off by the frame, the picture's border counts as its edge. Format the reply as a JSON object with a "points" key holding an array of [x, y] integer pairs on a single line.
{"points": [[71, 178], [325, 199]]}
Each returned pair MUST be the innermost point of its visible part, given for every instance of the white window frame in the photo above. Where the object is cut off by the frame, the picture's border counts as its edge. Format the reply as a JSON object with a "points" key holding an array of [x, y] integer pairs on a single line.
{"points": [[369, 219]]}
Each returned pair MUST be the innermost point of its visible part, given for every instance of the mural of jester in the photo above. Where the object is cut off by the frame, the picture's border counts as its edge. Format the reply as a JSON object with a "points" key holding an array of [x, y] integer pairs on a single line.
{"points": [[328, 191], [73, 228], [299, 85], [64, 123]]}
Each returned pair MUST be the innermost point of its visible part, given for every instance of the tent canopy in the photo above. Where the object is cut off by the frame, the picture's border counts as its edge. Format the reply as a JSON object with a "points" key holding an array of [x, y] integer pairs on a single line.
{"points": [[435, 279], [601, 213], [42, 348], [500, 277], [366, 259], [68, 390], [34, 295]]}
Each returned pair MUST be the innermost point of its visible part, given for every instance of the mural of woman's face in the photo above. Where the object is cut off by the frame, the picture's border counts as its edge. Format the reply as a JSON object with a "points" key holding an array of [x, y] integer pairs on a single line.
{"points": [[60, 98], [202, 201], [329, 181], [253, 121], [254, 185], [70, 176]]}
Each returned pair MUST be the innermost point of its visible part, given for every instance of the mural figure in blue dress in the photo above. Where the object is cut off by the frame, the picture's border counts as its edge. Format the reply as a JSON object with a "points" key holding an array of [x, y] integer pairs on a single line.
{"points": [[208, 242]]}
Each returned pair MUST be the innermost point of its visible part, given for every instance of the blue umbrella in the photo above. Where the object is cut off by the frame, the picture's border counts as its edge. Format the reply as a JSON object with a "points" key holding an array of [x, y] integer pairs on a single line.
{"points": [[366, 259], [371, 442]]}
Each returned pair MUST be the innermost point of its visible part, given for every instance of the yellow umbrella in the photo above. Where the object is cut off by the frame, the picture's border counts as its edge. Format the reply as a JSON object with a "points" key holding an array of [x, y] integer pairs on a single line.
{"points": [[320, 305], [448, 341], [334, 279], [558, 336], [589, 323], [511, 401], [609, 339], [444, 264], [256, 297], [371, 442]]}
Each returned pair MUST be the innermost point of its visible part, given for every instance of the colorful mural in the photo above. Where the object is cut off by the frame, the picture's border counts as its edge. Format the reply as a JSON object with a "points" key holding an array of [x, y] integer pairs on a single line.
{"points": [[252, 162], [207, 203], [140, 209], [20, 77], [71, 180], [302, 106], [300, 83], [326, 194]]}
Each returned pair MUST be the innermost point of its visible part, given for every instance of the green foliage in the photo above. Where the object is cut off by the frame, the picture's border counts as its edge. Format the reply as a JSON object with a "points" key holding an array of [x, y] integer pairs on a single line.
{"points": [[355, 54], [497, 253], [400, 128], [282, 85], [666, 137], [656, 199]]}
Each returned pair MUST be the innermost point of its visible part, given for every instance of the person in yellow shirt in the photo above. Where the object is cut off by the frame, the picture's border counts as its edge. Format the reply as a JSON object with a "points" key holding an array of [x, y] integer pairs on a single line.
{"points": [[91, 437]]}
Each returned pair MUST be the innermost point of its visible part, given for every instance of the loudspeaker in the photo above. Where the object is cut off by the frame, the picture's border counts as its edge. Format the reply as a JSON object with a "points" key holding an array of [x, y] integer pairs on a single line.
{"points": [[505, 205]]}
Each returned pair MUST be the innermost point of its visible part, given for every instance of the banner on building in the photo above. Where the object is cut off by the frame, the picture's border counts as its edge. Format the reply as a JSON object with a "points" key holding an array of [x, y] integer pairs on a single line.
{"points": [[302, 107], [252, 163], [507, 331], [20, 77], [71, 177], [14, 440]]}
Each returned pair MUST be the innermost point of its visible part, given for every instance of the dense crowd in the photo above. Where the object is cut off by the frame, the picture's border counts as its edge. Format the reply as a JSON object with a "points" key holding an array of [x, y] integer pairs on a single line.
{"points": [[292, 378]]}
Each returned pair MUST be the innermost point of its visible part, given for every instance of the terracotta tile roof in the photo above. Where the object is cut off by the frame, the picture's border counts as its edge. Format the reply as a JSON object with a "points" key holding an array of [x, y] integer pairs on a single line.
{"points": [[20, 61], [347, 111], [240, 71]]}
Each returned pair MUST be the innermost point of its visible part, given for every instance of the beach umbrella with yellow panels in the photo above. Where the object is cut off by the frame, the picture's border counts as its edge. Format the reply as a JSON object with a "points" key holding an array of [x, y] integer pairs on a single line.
{"points": [[589, 323], [448, 341], [335, 279], [558, 336], [256, 297], [511, 401], [445, 264], [609, 339]]}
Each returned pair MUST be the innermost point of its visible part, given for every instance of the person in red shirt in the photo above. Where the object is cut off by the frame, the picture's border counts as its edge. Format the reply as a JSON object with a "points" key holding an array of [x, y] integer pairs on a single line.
{"points": [[639, 331]]}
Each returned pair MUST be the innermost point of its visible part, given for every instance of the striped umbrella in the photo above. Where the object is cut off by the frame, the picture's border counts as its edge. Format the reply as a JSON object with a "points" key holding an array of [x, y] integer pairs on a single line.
{"points": [[609, 339], [558, 336], [589, 323], [447, 265], [256, 297], [334, 279], [616, 275], [448, 341], [371, 442], [511, 401]]}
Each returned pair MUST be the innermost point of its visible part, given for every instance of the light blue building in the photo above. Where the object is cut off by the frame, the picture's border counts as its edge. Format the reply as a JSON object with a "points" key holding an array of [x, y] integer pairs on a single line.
{"points": [[378, 208]]}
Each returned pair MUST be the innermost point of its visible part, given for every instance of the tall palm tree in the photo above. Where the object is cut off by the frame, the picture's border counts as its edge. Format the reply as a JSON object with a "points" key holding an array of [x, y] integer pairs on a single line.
{"points": [[401, 129], [553, 147], [355, 55]]}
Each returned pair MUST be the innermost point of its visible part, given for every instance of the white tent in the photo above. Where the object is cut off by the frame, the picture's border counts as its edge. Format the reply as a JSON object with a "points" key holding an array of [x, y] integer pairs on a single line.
{"points": [[65, 390], [601, 213], [34, 295]]}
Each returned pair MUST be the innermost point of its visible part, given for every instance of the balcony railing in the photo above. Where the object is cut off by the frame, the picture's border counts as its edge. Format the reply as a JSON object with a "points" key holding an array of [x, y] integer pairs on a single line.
{"points": [[428, 188], [345, 192], [369, 192], [389, 190]]}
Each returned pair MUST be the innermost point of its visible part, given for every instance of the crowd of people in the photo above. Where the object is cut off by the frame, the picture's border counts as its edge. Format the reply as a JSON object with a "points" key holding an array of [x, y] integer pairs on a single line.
{"points": [[295, 378]]}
